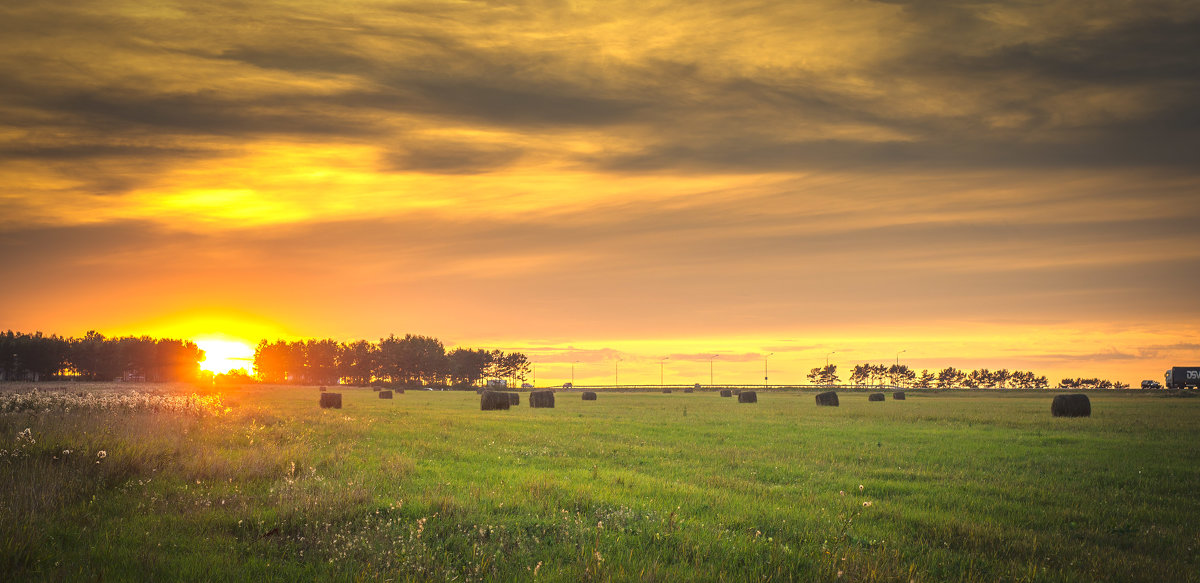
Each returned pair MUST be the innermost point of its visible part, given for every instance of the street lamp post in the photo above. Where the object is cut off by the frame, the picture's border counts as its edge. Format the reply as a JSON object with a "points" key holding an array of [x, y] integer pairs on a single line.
{"points": [[617, 373], [661, 365], [710, 369], [573, 373], [898, 356], [765, 375], [827, 358]]}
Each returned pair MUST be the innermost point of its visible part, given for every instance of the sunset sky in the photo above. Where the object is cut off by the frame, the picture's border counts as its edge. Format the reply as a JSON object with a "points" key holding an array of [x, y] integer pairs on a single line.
{"points": [[976, 184]]}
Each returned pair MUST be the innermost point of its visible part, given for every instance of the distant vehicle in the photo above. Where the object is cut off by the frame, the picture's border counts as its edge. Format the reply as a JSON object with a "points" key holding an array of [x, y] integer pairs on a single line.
{"points": [[1151, 385], [1182, 377], [526, 385], [497, 383], [568, 385]]}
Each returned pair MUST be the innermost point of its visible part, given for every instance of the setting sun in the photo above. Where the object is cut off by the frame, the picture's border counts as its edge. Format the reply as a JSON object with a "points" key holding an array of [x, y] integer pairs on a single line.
{"points": [[222, 356]]}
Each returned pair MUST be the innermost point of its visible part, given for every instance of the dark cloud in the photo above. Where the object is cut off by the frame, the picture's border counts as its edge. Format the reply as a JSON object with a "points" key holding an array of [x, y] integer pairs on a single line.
{"points": [[452, 158], [1149, 49]]}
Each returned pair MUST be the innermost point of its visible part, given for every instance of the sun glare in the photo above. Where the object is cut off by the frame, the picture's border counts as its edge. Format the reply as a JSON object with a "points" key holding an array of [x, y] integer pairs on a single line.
{"points": [[222, 356]]}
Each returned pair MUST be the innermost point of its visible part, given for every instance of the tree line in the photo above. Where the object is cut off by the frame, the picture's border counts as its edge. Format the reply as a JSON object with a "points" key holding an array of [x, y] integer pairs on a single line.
{"points": [[901, 375], [411, 360], [94, 357]]}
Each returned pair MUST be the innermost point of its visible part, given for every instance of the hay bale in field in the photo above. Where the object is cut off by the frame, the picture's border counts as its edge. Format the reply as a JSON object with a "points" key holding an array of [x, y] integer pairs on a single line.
{"points": [[385, 394], [1071, 406], [689, 390], [666, 391], [748, 397], [514, 399], [737, 391], [322, 389], [401, 391], [331, 400], [877, 397], [898, 396], [541, 399], [493, 401], [829, 399], [726, 393], [589, 395]]}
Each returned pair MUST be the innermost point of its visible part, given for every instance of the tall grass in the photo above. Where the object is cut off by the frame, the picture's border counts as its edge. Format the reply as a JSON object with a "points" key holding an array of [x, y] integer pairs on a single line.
{"points": [[262, 484]]}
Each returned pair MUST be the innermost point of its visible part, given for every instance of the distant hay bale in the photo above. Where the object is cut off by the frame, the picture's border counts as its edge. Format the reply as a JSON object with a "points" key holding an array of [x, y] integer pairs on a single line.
{"points": [[493, 401], [541, 399], [401, 391], [385, 394], [877, 397], [376, 389], [898, 396], [829, 399], [689, 390], [748, 397], [514, 399], [737, 391], [322, 389], [665, 391], [589, 395], [726, 393], [1071, 406], [331, 400]]}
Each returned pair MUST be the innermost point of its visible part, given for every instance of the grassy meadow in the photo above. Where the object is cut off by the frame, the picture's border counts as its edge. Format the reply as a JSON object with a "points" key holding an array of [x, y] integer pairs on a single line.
{"points": [[258, 483]]}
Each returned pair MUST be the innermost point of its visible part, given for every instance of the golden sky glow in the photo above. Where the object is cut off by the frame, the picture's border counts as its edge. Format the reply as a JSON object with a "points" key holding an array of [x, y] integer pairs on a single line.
{"points": [[996, 184]]}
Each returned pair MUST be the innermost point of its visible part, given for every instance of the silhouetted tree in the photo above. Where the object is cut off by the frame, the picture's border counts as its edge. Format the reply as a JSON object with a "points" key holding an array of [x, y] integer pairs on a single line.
{"points": [[357, 361]]}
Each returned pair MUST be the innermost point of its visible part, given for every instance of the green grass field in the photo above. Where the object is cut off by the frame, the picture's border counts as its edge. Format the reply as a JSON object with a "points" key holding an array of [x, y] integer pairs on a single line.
{"points": [[634, 486]]}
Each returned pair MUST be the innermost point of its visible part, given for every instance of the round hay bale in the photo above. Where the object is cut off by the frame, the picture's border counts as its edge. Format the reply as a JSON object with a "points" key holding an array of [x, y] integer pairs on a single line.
{"points": [[666, 391], [493, 401], [726, 393], [385, 394], [898, 396], [322, 389], [877, 397], [589, 396], [514, 399], [376, 389], [737, 391], [689, 390], [541, 399], [748, 397], [331, 400], [1071, 406], [829, 399], [401, 391]]}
